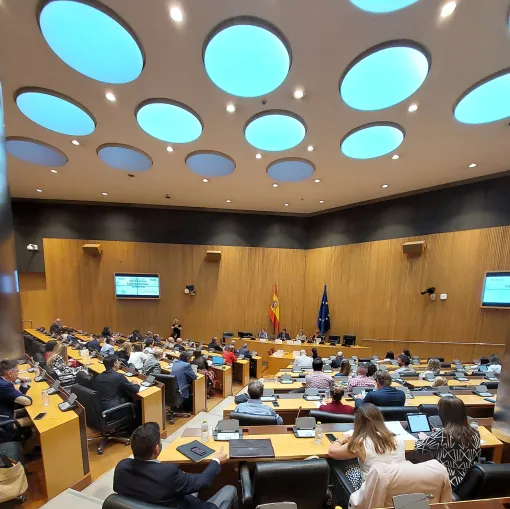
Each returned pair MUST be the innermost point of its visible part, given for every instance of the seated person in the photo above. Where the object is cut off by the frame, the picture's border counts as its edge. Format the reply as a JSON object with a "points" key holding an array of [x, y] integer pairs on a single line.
{"points": [[48, 349], [484, 360], [433, 368], [106, 332], [113, 388], [336, 406], [390, 356], [245, 351], [125, 351], [229, 355], [385, 395], [10, 397], [137, 357], [404, 362], [262, 334], [283, 334], [337, 361], [93, 344], [58, 363], [151, 365], [456, 445], [107, 348], [56, 327], [345, 368], [254, 406], [405, 351], [318, 379], [361, 379], [179, 345], [203, 368], [233, 345], [184, 375], [302, 361], [213, 345], [300, 336], [157, 340], [372, 368], [149, 346], [146, 479], [316, 337], [135, 336], [440, 381], [495, 365]]}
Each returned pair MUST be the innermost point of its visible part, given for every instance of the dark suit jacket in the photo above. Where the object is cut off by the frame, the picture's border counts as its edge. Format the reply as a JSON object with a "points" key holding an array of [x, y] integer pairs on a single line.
{"points": [[55, 328], [283, 335], [113, 388], [336, 362], [163, 483], [185, 375], [387, 396], [215, 346], [94, 343], [245, 352]]}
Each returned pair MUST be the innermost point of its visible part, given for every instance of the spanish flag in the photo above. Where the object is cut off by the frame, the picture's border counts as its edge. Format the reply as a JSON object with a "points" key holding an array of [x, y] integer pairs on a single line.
{"points": [[274, 311]]}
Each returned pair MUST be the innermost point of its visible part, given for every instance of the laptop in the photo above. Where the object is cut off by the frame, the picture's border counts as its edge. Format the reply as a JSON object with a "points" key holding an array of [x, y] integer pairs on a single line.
{"points": [[482, 367], [361, 390], [218, 361], [148, 381], [418, 423], [481, 390]]}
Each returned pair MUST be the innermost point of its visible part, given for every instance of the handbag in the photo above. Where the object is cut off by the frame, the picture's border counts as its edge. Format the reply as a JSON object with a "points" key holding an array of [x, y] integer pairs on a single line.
{"points": [[13, 480]]}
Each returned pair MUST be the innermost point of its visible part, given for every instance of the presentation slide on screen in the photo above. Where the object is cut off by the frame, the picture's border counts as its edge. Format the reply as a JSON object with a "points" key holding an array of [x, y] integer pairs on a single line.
{"points": [[133, 285], [497, 289]]}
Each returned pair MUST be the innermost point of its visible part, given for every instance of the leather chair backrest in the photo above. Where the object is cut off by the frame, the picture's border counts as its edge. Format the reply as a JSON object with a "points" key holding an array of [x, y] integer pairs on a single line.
{"points": [[408, 374], [397, 413], [304, 482], [490, 385], [429, 409], [84, 379], [90, 400], [119, 502], [485, 480], [173, 398], [330, 417], [253, 420], [27, 342]]}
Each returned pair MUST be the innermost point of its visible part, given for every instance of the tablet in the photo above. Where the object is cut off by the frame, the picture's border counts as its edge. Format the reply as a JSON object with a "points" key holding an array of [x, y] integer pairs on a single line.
{"points": [[418, 423]]}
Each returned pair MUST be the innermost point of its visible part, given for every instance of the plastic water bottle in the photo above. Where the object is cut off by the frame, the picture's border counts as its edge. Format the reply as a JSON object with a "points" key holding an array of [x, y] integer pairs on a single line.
{"points": [[474, 424], [326, 394], [204, 431], [318, 433], [45, 397], [408, 394]]}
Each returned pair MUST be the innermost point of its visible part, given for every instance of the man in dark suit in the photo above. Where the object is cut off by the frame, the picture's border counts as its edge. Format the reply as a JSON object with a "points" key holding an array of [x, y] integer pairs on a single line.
{"points": [[184, 375], [146, 479], [113, 388], [385, 395], [56, 327], [283, 334], [213, 345]]}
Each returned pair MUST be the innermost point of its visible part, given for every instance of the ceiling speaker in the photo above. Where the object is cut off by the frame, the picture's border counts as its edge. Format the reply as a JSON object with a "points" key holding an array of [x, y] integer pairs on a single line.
{"points": [[93, 249]]}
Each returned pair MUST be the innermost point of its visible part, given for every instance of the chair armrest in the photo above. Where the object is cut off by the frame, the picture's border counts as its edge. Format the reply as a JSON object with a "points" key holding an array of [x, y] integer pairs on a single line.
{"points": [[246, 486], [105, 413], [455, 497], [10, 422]]}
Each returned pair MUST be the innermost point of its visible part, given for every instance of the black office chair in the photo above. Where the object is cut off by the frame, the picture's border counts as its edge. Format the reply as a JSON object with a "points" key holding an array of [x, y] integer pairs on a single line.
{"points": [[490, 385], [485, 480], [115, 501], [429, 409], [329, 417], [108, 423], [173, 399], [446, 364], [228, 335], [12, 449], [408, 374], [84, 379], [27, 342], [333, 339], [285, 481], [253, 420], [340, 485], [397, 413]]}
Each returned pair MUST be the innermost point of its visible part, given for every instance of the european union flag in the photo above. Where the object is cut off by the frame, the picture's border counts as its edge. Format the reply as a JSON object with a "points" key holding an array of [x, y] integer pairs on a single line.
{"points": [[323, 321]]}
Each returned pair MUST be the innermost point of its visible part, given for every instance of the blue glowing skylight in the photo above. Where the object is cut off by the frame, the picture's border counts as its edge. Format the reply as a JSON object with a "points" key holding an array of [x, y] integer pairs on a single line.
{"points": [[382, 6], [487, 101], [372, 140], [92, 40], [275, 130], [55, 112], [124, 157], [384, 76], [35, 152], [247, 57], [210, 164], [169, 121], [290, 170]]}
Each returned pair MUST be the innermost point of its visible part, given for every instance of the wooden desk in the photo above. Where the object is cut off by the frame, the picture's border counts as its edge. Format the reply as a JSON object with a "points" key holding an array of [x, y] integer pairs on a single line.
{"points": [[258, 366], [224, 375], [241, 371], [63, 437]]}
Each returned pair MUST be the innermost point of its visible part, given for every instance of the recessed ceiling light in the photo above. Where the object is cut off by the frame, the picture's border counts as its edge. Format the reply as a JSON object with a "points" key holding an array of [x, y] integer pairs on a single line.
{"points": [[384, 186], [205, 180], [110, 96], [395, 157], [39, 190], [448, 9], [299, 93], [287, 204], [321, 201], [317, 181], [258, 156], [54, 171], [310, 148], [104, 194], [275, 185], [412, 108], [472, 165], [75, 142], [176, 14], [228, 201], [169, 149], [231, 107]]}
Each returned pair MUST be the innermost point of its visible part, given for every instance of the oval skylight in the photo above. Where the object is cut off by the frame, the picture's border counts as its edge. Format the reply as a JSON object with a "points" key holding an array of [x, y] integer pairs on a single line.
{"points": [[382, 6], [55, 112], [124, 157], [486, 101], [290, 170], [169, 121], [384, 75], [92, 39], [35, 152], [372, 140], [275, 130], [247, 57], [210, 164]]}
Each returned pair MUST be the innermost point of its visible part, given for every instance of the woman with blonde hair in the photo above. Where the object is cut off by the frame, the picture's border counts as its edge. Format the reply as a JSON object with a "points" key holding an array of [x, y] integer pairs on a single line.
{"points": [[433, 368], [440, 381], [124, 351], [371, 442], [58, 363]]}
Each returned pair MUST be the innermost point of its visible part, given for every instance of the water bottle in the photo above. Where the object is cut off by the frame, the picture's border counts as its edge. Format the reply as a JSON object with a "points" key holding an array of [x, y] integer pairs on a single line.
{"points": [[45, 397], [318, 433], [326, 394], [204, 431], [408, 394], [474, 424]]}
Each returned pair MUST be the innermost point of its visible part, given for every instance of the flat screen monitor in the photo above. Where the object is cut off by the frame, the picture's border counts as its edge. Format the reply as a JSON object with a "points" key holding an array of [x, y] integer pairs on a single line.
{"points": [[496, 290], [136, 286]]}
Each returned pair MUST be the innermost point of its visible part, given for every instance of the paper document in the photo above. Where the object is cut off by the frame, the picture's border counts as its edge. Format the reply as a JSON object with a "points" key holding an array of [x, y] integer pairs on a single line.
{"points": [[142, 388], [396, 428]]}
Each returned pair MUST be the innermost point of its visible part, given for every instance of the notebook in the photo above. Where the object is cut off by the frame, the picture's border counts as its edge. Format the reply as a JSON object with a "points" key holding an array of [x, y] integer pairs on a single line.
{"points": [[251, 448], [196, 451]]}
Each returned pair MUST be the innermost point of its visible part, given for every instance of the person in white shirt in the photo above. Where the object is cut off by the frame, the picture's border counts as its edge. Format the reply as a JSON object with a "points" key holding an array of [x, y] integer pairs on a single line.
{"points": [[137, 357], [301, 335], [262, 334], [404, 362], [495, 365], [303, 361]]}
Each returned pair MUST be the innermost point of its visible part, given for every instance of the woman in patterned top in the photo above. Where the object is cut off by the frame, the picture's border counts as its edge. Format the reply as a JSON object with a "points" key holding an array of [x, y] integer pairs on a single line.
{"points": [[456, 445]]}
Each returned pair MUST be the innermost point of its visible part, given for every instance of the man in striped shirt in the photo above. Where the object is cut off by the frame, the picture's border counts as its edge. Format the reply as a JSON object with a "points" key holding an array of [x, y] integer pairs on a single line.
{"points": [[318, 379], [361, 379]]}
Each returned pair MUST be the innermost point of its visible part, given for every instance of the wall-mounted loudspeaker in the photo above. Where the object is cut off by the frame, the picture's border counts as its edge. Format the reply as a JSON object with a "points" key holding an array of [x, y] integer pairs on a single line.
{"points": [[213, 256], [93, 249], [414, 248]]}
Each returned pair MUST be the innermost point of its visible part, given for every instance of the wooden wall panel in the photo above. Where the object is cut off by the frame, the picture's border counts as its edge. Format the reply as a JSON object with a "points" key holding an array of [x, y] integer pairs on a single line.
{"points": [[374, 289], [35, 309]]}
